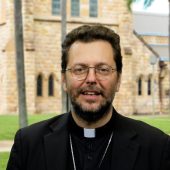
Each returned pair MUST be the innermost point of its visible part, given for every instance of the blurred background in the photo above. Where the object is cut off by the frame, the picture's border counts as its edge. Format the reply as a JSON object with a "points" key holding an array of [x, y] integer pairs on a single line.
{"points": [[31, 33]]}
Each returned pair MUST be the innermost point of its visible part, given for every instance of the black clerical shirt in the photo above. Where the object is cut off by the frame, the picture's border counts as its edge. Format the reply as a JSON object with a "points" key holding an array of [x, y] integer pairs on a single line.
{"points": [[88, 152]]}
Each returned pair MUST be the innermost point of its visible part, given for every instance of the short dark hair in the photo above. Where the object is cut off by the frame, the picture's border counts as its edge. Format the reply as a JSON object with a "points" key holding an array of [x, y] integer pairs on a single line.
{"points": [[87, 33]]}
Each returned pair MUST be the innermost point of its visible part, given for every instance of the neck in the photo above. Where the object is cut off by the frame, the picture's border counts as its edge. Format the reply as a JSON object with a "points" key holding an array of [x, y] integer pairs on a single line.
{"points": [[92, 125]]}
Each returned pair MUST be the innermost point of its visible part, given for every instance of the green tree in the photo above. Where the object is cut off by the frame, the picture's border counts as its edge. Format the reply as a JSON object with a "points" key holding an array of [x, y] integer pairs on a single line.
{"points": [[146, 3]]}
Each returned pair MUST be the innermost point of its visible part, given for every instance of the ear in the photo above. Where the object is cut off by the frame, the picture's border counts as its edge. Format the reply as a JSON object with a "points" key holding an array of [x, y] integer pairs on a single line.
{"points": [[64, 82], [119, 75]]}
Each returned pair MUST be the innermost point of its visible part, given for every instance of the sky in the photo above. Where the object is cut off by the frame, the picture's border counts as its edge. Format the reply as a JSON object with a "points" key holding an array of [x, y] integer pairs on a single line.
{"points": [[157, 7]]}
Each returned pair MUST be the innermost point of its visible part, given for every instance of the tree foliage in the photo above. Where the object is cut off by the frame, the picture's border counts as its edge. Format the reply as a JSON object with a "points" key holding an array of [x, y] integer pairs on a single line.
{"points": [[146, 3]]}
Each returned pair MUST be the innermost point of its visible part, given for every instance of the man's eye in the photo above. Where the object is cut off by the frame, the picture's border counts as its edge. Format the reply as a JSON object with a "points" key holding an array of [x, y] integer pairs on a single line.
{"points": [[103, 70], [79, 70]]}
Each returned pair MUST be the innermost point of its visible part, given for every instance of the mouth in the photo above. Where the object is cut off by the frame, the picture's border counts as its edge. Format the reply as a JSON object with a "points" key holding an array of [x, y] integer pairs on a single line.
{"points": [[91, 93]]}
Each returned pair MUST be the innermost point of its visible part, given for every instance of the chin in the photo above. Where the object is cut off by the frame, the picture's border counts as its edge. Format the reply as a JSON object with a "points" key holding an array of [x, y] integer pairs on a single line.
{"points": [[91, 112], [91, 107]]}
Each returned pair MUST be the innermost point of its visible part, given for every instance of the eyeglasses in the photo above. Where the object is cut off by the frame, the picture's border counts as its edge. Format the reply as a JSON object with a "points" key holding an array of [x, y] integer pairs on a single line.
{"points": [[80, 72]]}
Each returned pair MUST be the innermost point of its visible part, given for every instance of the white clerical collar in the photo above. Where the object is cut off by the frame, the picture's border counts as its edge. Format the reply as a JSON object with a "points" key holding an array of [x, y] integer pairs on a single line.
{"points": [[89, 133]]}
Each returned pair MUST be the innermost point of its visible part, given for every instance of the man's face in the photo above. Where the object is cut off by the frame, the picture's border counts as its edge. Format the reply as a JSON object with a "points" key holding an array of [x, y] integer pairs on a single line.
{"points": [[91, 96]]}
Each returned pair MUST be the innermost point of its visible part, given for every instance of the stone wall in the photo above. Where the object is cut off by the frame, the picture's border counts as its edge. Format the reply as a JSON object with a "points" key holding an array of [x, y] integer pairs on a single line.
{"points": [[42, 46]]}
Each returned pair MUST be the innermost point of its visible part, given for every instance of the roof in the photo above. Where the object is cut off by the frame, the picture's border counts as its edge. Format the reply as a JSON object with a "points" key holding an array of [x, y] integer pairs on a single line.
{"points": [[149, 24]]}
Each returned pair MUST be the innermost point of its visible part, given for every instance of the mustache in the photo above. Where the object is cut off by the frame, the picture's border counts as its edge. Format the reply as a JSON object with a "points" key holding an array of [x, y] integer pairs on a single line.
{"points": [[90, 88]]}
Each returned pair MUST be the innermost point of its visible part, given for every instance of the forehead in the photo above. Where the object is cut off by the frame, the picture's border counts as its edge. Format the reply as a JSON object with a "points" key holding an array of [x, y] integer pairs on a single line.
{"points": [[94, 52]]}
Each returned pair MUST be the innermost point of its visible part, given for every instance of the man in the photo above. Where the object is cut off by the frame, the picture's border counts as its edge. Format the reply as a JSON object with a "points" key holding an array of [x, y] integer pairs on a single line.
{"points": [[93, 135]]}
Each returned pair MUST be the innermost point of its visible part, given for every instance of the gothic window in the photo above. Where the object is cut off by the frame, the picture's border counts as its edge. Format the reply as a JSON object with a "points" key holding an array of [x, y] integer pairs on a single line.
{"points": [[149, 85], [56, 7], [140, 86], [93, 8], [51, 85], [75, 8], [39, 85]]}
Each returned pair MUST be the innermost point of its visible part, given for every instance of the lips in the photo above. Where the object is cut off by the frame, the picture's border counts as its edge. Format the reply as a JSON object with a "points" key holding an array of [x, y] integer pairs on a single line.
{"points": [[91, 93]]}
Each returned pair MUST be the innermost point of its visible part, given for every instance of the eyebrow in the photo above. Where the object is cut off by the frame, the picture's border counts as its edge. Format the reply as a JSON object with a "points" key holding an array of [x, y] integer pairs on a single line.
{"points": [[97, 64]]}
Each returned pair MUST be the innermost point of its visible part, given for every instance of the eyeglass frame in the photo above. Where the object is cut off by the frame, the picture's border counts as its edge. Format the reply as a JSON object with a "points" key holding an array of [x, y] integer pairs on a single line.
{"points": [[87, 72]]}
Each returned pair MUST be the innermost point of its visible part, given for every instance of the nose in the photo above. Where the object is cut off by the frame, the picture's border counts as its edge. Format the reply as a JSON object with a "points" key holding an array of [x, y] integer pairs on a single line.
{"points": [[91, 76]]}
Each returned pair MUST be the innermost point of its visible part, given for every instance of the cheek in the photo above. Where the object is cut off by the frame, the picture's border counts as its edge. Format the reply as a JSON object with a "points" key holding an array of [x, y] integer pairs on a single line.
{"points": [[72, 85], [110, 87]]}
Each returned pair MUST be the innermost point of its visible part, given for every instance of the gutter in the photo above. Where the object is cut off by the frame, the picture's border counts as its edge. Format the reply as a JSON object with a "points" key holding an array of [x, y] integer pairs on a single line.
{"points": [[146, 44]]}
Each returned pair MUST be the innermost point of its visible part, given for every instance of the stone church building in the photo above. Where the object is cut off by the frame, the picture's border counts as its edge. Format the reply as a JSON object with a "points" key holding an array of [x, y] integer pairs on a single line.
{"points": [[42, 51]]}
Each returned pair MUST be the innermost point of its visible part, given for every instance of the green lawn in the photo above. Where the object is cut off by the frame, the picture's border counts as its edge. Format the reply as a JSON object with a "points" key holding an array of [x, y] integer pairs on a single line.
{"points": [[161, 122], [9, 124], [8, 128], [3, 160]]}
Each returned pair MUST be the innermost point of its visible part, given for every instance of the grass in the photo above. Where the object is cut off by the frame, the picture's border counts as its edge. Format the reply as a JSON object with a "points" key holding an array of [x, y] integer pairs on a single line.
{"points": [[3, 160], [9, 124], [161, 122]]}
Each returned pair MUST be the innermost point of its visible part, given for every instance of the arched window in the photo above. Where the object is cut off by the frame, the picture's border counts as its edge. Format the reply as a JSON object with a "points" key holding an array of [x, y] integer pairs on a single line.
{"points": [[93, 8], [140, 86], [39, 85], [51, 85], [149, 85], [56, 7], [75, 8]]}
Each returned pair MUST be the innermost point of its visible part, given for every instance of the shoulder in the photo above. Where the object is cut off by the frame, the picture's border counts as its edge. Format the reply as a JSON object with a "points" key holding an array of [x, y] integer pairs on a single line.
{"points": [[42, 128], [143, 130], [150, 139]]}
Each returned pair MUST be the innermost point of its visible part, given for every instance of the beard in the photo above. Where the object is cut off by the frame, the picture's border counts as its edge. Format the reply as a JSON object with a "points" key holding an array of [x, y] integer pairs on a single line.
{"points": [[91, 115]]}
